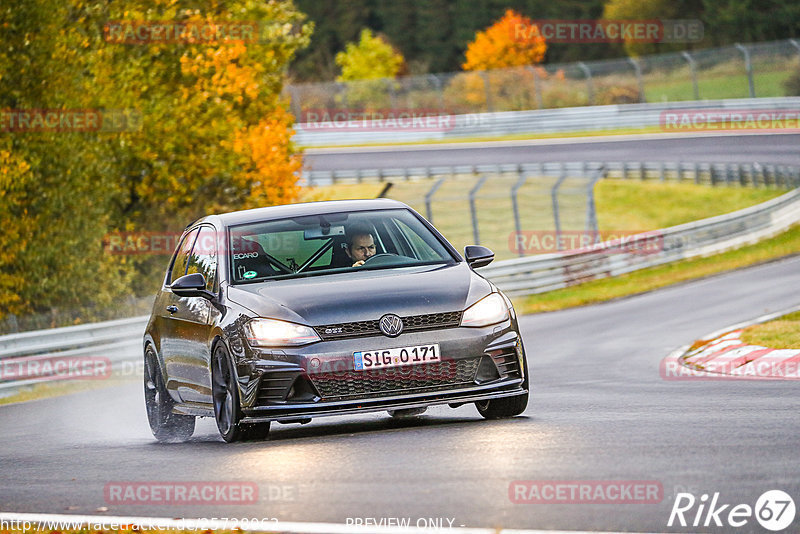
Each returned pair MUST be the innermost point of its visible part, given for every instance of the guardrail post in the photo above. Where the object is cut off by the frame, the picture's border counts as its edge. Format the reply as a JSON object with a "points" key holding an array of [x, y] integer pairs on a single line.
{"points": [[661, 174], [693, 70], [488, 89], [537, 87], [638, 70], [391, 91], [591, 211], [740, 175], [515, 207], [429, 197], [642, 172], [473, 210], [748, 67], [554, 199], [795, 44], [588, 73], [343, 88], [438, 84], [696, 173]]}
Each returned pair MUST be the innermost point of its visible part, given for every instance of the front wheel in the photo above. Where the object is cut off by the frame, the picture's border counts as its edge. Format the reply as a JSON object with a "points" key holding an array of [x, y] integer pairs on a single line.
{"points": [[504, 407], [165, 425], [227, 410]]}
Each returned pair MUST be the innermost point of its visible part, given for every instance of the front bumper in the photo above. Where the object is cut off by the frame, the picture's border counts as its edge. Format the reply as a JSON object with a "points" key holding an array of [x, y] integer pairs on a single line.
{"points": [[319, 379]]}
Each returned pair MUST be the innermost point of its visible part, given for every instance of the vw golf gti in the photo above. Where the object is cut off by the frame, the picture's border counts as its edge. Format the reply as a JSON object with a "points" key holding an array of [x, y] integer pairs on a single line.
{"points": [[286, 313]]}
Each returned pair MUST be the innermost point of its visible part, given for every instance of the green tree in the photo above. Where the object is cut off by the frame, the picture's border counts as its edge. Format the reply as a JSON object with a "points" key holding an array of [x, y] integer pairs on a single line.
{"points": [[371, 58]]}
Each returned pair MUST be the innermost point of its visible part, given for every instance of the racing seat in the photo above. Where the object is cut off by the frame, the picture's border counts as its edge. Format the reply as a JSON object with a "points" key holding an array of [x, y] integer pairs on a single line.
{"points": [[339, 257], [249, 256]]}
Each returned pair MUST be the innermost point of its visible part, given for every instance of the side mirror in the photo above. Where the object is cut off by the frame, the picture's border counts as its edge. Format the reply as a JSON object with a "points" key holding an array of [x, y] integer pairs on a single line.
{"points": [[478, 256], [191, 285]]}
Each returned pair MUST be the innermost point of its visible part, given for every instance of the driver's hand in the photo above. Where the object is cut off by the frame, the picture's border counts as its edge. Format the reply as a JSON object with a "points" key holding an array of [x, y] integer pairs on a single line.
{"points": [[359, 263]]}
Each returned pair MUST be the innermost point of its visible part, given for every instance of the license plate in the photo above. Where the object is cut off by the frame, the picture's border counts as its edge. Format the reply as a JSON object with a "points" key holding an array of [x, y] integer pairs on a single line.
{"points": [[380, 359]]}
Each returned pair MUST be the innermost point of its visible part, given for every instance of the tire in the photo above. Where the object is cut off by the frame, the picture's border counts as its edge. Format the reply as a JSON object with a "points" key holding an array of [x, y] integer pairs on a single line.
{"points": [[407, 413], [227, 409], [502, 408], [167, 427], [506, 406]]}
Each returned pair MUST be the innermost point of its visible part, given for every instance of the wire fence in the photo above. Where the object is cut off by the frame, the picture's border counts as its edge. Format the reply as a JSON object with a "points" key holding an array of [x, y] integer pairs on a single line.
{"points": [[546, 204], [754, 70], [524, 209]]}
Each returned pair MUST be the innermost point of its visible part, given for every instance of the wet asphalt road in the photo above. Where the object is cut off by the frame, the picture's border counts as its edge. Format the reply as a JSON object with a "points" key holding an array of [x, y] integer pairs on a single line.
{"points": [[763, 148], [599, 410]]}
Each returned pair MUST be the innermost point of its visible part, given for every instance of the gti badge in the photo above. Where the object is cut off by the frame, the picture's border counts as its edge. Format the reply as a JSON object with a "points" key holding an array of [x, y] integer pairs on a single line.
{"points": [[391, 325]]}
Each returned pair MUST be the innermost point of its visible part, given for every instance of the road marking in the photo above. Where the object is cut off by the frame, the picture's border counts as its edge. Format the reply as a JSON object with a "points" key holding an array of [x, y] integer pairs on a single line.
{"points": [[271, 526]]}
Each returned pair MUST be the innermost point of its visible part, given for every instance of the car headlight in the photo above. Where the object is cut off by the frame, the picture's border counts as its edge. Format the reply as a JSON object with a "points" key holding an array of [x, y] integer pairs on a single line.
{"points": [[275, 333], [488, 310]]}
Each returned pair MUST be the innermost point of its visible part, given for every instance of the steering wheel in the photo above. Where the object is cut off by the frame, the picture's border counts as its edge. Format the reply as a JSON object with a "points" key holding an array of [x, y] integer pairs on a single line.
{"points": [[382, 256]]}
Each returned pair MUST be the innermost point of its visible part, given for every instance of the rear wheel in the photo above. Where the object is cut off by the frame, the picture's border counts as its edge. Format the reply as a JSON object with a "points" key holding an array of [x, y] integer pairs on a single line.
{"points": [[165, 425], [227, 410]]}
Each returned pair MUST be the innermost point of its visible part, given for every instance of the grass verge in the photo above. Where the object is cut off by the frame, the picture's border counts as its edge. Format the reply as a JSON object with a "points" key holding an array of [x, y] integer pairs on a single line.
{"points": [[785, 244], [44, 390], [781, 333]]}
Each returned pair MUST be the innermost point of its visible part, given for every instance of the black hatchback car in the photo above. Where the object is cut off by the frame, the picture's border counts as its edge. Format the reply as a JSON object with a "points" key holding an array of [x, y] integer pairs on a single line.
{"points": [[327, 308]]}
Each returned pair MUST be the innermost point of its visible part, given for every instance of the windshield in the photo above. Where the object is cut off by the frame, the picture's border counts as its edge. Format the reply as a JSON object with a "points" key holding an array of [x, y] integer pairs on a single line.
{"points": [[322, 244]]}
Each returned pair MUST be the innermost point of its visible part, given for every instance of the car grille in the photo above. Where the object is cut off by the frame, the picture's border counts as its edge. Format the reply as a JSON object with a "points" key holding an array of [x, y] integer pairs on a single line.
{"points": [[414, 323], [394, 380]]}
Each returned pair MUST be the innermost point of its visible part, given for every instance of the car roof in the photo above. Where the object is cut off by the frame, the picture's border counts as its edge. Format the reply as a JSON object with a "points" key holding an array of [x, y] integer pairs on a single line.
{"points": [[298, 210]]}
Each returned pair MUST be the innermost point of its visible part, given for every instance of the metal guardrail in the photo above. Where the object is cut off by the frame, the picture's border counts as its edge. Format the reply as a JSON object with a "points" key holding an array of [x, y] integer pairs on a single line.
{"points": [[546, 272], [115, 341], [537, 121]]}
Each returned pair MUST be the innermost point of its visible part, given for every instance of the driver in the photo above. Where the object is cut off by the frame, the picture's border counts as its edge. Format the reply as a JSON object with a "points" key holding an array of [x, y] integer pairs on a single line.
{"points": [[360, 245]]}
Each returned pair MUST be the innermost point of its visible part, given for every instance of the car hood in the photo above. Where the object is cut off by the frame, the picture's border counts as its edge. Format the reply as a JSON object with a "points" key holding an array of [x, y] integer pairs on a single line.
{"points": [[364, 295]]}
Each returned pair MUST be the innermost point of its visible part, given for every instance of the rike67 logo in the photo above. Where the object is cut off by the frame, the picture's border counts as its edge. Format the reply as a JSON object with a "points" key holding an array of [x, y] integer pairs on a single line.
{"points": [[774, 510]]}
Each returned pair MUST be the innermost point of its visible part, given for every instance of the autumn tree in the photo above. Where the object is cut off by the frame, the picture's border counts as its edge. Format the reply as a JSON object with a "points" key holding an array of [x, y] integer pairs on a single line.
{"points": [[512, 41], [212, 134], [371, 58]]}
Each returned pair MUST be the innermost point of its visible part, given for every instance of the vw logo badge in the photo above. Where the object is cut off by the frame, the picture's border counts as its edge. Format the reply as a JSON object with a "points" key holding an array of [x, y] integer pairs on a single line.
{"points": [[391, 325]]}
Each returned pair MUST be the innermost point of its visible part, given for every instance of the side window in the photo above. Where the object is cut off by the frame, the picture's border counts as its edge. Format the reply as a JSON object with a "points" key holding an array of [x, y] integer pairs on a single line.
{"points": [[178, 267], [203, 258]]}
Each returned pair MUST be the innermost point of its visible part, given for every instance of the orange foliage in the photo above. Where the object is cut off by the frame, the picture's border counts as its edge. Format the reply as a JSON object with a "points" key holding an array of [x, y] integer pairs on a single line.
{"points": [[512, 41], [271, 169]]}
